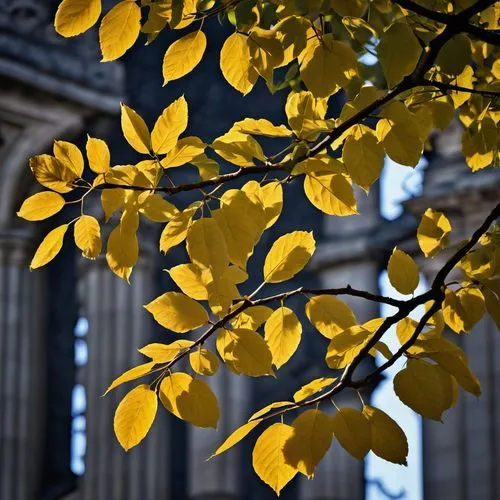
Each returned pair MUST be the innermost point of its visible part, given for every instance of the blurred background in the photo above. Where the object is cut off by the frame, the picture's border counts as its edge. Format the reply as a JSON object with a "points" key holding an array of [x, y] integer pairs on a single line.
{"points": [[68, 330]]}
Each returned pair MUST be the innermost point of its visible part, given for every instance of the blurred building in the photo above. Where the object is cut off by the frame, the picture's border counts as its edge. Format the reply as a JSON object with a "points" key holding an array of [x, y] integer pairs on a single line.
{"points": [[66, 331]]}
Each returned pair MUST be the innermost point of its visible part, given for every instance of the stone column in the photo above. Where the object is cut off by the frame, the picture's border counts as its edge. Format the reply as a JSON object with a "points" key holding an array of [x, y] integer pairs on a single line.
{"points": [[118, 326], [220, 478], [22, 370]]}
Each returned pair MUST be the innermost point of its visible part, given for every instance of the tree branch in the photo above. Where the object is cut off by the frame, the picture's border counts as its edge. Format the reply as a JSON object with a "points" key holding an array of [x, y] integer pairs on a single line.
{"points": [[435, 293], [446, 87], [489, 36]]}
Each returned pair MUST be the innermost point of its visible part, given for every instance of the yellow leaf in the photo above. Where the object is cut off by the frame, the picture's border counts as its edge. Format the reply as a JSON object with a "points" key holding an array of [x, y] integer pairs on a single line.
{"points": [[238, 148], [327, 65], [49, 247], [463, 309], [74, 17], [157, 209], [424, 387], [464, 79], [186, 150], [398, 63], [175, 231], [206, 246], [329, 315], [98, 155], [479, 144], [135, 416], [70, 157], [51, 173], [41, 206], [135, 130], [242, 223], [282, 334], [163, 353], [245, 351], [403, 272], [169, 126], [88, 236], [177, 312], [312, 388], [433, 232], [123, 249], [119, 29], [454, 55], [388, 441], [364, 159], [235, 63], [236, 436], [492, 303], [203, 361], [184, 55], [330, 193], [188, 278], [190, 399], [132, 374], [345, 346], [288, 256], [207, 168], [111, 201], [272, 406], [272, 199], [266, 52], [221, 292], [236, 275], [352, 431], [311, 439], [252, 318], [456, 365], [261, 126], [306, 115], [399, 134], [268, 458]]}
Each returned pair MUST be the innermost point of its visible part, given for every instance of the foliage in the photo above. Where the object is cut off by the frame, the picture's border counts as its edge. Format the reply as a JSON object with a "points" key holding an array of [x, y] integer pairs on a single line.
{"points": [[436, 59]]}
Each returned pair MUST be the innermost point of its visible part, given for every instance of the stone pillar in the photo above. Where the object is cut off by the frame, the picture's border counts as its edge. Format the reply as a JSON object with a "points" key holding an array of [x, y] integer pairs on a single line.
{"points": [[22, 370], [346, 257], [220, 478], [118, 326]]}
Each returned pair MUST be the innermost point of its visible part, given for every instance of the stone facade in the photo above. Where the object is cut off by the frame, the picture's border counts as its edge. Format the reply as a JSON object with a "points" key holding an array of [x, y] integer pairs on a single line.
{"points": [[52, 88]]}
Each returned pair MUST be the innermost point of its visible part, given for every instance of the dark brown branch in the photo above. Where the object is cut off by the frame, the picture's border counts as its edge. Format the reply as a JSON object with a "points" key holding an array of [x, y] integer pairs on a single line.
{"points": [[446, 87], [435, 294], [246, 303], [489, 36]]}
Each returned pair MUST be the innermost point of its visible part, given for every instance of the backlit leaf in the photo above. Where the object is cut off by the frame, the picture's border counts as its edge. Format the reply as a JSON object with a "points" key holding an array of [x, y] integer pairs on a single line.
{"points": [[184, 55], [403, 272], [433, 232], [190, 399], [135, 416], [88, 236], [352, 431], [135, 130], [169, 126], [74, 17], [119, 29], [237, 435], [288, 256], [311, 439], [282, 334], [177, 312], [388, 441], [329, 315], [41, 206], [49, 247], [132, 374], [269, 460]]}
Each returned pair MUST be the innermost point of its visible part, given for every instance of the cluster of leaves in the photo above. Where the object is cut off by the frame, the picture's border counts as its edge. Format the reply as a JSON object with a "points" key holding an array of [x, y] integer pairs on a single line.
{"points": [[435, 59]]}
